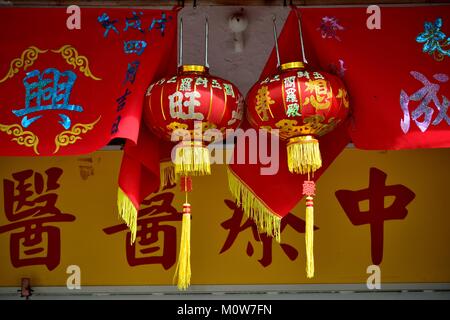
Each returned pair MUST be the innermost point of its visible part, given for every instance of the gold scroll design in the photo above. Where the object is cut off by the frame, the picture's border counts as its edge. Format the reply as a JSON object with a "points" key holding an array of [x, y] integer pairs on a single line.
{"points": [[195, 134], [320, 98], [27, 59], [263, 102], [313, 125], [23, 138], [71, 136], [70, 54]]}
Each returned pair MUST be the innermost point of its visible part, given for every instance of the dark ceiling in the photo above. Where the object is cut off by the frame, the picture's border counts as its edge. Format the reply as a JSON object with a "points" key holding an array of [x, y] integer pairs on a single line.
{"points": [[132, 3]]}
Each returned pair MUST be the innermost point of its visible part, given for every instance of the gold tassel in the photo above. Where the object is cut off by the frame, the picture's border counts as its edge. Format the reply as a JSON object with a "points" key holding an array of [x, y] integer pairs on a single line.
{"points": [[309, 237], [266, 220], [303, 155], [183, 269], [192, 159], [127, 212]]}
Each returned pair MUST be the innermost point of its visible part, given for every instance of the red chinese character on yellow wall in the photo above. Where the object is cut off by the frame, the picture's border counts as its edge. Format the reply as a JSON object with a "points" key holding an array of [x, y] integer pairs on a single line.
{"points": [[156, 239], [235, 226], [30, 205], [377, 213]]}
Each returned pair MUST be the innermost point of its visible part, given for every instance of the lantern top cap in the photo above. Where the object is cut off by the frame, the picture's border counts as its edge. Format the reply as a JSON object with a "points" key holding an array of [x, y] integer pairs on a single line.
{"points": [[192, 68], [292, 65]]}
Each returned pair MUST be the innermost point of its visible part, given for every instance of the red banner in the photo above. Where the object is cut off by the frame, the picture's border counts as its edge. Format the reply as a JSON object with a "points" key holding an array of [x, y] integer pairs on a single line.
{"points": [[65, 90], [395, 62]]}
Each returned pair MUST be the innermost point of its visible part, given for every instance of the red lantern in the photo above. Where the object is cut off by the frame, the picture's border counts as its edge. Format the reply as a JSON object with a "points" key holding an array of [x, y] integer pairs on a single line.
{"points": [[302, 104], [192, 102], [198, 108]]}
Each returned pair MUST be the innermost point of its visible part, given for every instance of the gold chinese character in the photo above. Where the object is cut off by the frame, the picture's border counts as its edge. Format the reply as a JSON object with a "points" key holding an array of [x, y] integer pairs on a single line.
{"points": [[263, 102], [321, 96]]}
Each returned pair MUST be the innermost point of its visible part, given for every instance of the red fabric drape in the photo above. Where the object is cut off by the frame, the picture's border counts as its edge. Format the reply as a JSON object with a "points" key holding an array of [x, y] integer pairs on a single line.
{"points": [[65, 92]]}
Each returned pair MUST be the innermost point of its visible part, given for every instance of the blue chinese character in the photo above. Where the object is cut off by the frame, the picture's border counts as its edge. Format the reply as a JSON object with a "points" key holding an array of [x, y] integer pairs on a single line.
{"points": [[115, 125], [121, 101], [134, 46], [50, 86], [134, 22], [160, 24], [132, 71], [434, 40], [107, 24]]}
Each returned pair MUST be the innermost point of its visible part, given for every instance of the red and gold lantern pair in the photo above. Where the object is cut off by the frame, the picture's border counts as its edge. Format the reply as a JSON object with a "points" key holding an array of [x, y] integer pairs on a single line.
{"points": [[195, 107], [301, 105]]}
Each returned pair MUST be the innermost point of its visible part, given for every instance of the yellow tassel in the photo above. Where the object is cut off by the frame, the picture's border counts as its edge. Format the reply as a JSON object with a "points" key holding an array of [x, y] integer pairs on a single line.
{"points": [[192, 159], [303, 155], [266, 220], [183, 269], [167, 175], [127, 212], [309, 237]]}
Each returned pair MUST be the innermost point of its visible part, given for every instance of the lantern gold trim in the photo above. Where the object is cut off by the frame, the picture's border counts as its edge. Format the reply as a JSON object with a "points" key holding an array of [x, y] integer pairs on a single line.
{"points": [[192, 68], [292, 65]]}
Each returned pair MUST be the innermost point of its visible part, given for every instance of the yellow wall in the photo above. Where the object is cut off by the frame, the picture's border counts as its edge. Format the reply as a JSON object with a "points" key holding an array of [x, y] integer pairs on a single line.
{"points": [[416, 249]]}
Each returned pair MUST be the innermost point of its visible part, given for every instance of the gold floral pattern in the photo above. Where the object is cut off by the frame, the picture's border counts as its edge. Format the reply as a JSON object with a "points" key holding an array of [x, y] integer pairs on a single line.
{"points": [[70, 54], [195, 134], [27, 58], [71, 136], [311, 125], [23, 138]]}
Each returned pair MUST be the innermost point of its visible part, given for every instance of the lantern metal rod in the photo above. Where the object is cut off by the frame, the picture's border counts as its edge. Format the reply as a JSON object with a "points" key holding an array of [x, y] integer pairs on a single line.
{"points": [[301, 38], [206, 41], [275, 36], [180, 56]]}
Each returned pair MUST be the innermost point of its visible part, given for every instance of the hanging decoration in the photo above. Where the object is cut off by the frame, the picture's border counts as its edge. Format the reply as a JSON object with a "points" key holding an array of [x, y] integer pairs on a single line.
{"points": [[196, 108], [299, 104], [59, 92]]}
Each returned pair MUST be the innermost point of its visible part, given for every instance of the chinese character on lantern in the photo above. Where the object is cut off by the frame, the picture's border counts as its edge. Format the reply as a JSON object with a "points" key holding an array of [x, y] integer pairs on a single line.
{"points": [[176, 105], [30, 207], [263, 102], [235, 226], [320, 97], [156, 233], [377, 214]]}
